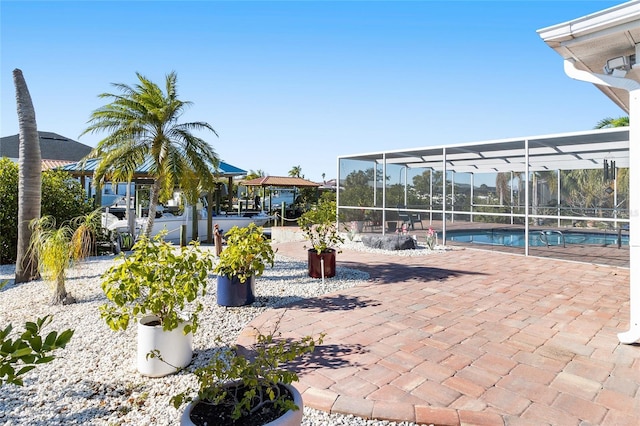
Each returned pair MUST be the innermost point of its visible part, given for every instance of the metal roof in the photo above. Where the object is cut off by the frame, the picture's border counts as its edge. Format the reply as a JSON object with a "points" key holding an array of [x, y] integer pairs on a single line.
{"points": [[282, 181], [224, 169], [566, 151]]}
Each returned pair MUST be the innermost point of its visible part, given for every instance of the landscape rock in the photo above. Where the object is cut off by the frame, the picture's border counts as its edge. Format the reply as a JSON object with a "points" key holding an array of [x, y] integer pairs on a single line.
{"points": [[389, 242]]}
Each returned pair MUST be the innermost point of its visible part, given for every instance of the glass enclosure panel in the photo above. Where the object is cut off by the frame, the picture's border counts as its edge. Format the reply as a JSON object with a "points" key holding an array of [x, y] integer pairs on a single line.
{"points": [[492, 197], [461, 196], [418, 184], [591, 194], [356, 187], [357, 194], [489, 208], [396, 185]]}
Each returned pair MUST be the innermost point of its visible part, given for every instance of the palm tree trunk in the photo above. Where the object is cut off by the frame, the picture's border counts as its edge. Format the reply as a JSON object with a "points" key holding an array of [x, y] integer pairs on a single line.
{"points": [[153, 206], [30, 179]]}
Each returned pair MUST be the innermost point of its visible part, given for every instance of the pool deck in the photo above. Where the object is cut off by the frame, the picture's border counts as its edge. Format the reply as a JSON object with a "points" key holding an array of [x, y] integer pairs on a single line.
{"points": [[605, 255], [468, 337]]}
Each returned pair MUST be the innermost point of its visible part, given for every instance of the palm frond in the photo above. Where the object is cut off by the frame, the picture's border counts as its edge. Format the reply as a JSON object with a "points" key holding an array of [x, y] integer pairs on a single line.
{"points": [[142, 124]]}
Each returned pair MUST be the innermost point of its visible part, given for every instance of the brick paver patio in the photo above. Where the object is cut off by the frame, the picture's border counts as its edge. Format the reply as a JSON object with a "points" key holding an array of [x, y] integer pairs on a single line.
{"points": [[469, 337]]}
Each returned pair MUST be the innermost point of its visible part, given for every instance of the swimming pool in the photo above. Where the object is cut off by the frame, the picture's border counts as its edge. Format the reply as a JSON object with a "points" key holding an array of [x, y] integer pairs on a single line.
{"points": [[537, 238]]}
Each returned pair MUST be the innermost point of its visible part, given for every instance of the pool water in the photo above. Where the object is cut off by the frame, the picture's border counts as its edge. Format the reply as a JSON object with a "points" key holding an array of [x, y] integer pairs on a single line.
{"points": [[515, 237]]}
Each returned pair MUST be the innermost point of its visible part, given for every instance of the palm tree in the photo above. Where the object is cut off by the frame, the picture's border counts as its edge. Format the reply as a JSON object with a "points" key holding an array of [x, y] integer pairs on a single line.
{"points": [[503, 185], [142, 123], [296, 171], [30, 180], [622, 180], [254, 174], [612, 122]]}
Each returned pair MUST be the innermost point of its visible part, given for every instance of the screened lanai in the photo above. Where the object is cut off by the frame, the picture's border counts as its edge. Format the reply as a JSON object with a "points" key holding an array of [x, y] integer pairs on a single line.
{"points": [[530, 183], [600, 48]]}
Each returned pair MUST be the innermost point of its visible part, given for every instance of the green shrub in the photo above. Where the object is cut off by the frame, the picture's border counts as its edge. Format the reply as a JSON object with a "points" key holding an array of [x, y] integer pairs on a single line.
{"points": [[247, 253], [319, 226], [248, 382], [8, 210], [157, 279], [62, 197], [22, 354]]}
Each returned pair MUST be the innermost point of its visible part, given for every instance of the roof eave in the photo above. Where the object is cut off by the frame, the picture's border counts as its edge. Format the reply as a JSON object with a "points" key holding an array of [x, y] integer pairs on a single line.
{"points": [[592, 25], [615, 22]]}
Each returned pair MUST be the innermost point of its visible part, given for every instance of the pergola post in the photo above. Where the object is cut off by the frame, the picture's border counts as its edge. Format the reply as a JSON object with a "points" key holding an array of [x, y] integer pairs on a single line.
{"points": [[633, 87], [633, 334]]}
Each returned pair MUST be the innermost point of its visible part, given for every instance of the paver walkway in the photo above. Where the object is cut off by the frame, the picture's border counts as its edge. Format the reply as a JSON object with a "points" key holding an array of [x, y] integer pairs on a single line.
{"points": [[469, 337]]}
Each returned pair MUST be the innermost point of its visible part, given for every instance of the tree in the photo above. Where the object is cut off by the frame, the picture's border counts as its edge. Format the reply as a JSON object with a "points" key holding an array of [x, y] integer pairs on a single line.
{"points": [[8, 210], [142, 123], [62, 197], [54, 255], [357, 189], [30, 179], [622, 175], [609, 122], [253, 174], [503, 186], [296, 171], [57, 247]]}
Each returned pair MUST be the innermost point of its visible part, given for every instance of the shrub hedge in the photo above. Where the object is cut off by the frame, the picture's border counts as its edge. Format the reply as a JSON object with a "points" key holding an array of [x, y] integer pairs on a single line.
{"points": [[62, 197]]}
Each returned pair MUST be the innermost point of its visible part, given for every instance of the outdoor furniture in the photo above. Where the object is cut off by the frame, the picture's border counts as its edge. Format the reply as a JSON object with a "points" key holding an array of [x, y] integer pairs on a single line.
{"points": [[410, 219]]}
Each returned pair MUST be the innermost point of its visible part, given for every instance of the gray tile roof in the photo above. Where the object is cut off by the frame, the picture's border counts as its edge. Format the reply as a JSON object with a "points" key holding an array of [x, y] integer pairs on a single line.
{"points": [[52, 147]]}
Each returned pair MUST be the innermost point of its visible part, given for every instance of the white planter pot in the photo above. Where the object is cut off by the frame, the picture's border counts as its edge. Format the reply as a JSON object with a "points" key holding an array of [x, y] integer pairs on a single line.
{"points": [[290, 418], [175, 348]]}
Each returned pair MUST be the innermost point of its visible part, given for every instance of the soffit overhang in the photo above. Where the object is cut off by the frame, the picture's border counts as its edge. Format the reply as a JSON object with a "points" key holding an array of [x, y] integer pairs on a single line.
{"points": [[591, 40]]}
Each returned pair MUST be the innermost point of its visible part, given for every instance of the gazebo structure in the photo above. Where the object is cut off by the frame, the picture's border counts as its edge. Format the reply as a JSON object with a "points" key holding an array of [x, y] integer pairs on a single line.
{"points": [[271, 183], [141, 176], [84, 171], [453, 183]]}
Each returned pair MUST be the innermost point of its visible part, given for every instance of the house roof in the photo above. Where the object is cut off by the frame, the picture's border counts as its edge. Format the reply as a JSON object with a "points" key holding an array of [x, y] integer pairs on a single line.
{"points": [[52, 147], [591, 40], [282, 181], [78, 169], [54, 164]]}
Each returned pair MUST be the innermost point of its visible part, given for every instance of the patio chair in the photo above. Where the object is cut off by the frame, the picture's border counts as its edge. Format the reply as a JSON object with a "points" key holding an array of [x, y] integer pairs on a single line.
{"points": [[410, 219]]}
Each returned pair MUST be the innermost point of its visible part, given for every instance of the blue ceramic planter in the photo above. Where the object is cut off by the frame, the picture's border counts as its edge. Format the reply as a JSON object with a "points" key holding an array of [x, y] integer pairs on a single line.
{"points": [[231, 292]]}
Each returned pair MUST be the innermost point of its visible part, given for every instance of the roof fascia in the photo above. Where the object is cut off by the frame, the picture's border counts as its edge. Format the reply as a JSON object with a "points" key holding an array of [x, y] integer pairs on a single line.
{"points": [[598, 22]]}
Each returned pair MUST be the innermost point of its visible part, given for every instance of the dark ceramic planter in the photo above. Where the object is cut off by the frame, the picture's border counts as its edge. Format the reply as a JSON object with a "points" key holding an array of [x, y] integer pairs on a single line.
{"points": [[328, 257], [289, 418], [231, 292]]}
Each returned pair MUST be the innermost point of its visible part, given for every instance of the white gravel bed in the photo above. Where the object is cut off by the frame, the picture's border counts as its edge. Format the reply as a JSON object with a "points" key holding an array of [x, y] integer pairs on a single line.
{"points": [[94, 379]]}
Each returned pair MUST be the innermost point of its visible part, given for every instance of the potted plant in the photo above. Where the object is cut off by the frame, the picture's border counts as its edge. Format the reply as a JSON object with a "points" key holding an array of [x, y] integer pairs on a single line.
{"points": [[243, 259], [248, 387], [158, 285], [319, 227]]}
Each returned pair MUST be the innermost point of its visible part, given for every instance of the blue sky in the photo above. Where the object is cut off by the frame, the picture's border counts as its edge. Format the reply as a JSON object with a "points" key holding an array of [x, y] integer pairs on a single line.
{"points": [[298, 83]]}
